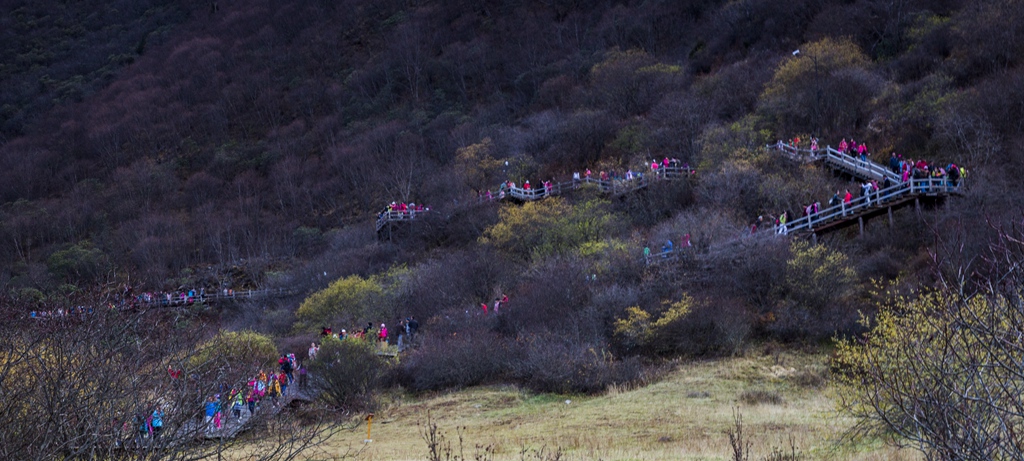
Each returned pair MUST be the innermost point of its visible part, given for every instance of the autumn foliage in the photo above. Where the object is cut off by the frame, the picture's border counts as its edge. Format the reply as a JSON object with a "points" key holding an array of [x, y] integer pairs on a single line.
{"points": [[235, 145]]}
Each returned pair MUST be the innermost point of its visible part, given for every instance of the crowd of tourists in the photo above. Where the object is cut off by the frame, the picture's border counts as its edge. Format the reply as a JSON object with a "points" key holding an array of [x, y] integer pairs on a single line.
{"points": [[616, 179], [619, 177], [546, 188], [795, 143], [61, 312], [176, 297], [403, 335], [129, 300], [403, 209], [261, 389], [229, 404], [951, 174], [904, 170]]}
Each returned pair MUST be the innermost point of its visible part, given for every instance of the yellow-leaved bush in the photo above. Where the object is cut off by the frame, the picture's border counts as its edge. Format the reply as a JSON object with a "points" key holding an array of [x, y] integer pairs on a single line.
{"points": [[234, 355], [549, 227], [942, 372], [352, 300], [824, 89], [638, 331], [818, 276]]}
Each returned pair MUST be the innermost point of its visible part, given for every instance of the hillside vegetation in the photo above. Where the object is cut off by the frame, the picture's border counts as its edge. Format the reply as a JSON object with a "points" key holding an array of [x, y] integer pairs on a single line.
{"points": [[254, 131], [225, 145]]}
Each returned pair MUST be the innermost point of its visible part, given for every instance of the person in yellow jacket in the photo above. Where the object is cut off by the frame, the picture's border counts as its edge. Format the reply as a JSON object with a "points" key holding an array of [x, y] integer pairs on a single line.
{"points": [[239, 402], [273, 388]]}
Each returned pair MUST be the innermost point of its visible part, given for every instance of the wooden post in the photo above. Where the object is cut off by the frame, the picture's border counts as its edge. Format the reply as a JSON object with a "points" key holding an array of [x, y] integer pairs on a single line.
{"points": [[917, 205], [814, 238], [891, 223], [860, 220]]}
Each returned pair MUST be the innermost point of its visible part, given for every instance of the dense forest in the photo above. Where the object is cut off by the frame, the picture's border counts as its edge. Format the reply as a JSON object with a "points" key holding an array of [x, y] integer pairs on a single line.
{"points": [[174, 145]]}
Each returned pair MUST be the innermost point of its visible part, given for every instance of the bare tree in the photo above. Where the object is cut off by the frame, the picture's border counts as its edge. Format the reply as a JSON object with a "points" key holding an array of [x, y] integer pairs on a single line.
{"points": [[942, 371], [81, 382]]}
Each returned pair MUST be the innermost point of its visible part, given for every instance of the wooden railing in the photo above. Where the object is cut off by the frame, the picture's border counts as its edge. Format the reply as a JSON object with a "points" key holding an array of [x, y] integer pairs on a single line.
{"points": [[607, 186], [863, 169], [219, 296], [395, 215], [931, 187], [895, 194], [854, 166], [161, 300], [797, 154]]}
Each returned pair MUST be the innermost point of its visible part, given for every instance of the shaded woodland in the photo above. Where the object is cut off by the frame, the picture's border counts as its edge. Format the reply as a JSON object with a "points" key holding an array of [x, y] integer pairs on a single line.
{"points": [[233, 144]]}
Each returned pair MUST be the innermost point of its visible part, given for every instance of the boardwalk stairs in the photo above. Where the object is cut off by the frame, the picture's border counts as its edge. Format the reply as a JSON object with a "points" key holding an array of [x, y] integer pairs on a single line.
{"points": [[881, 202]]}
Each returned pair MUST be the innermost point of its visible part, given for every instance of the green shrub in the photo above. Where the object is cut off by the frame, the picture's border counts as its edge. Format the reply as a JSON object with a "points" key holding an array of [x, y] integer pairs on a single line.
{"points": [[348, 372], [350, 300], [79, 262], [233, 355]]}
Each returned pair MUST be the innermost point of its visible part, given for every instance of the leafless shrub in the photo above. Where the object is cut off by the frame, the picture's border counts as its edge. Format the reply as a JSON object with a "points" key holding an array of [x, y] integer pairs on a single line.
{"points": [[761, 397], [105, 370]]}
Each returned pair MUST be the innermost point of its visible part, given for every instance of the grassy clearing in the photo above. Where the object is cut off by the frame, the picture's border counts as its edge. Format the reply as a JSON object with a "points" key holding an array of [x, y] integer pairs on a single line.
{"points": [[683, 417]]}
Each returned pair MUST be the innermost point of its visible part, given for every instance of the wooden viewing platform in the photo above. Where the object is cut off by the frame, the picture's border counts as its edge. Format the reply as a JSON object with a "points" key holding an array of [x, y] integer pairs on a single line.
{"points": [[390, 216]]}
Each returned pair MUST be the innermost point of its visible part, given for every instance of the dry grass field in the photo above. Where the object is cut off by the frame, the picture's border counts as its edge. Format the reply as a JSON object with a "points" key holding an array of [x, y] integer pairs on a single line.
{"points": [[783, 400]]}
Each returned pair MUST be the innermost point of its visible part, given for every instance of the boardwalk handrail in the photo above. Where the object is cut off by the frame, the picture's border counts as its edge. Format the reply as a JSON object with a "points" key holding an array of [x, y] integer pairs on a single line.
{"points": [[218, 296], [397, 215], [873, 201], [607, 186], [864, 169], [881, 199], [797, 154], [161, 300], [854, 166]]}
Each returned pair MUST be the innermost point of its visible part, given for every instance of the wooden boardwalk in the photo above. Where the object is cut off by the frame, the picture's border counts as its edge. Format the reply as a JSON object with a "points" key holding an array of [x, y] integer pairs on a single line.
{"points": [[884, 201], [231, 427], [612, 187], [879, 203], [216, 297]]}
